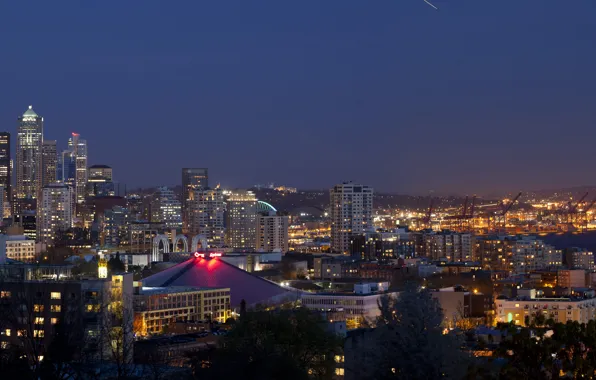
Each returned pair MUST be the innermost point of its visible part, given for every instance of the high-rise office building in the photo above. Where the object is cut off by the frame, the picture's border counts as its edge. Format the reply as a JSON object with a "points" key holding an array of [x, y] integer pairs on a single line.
{"points": [[351, 213], [166, 209], [79, 151], [241, 220], [5, 169], [29, 158], [192, 179], [114, 226], [66, 168], [99, 181], [207, 216], [100, 171], [56, 211], [272, 232], [49, 159]]}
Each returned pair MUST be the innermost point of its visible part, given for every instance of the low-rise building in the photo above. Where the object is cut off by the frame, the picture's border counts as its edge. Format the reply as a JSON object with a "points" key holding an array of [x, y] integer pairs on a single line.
{"points": [[522, 310], [20, 248], [155, 308], [571, 278], [355, 308]]}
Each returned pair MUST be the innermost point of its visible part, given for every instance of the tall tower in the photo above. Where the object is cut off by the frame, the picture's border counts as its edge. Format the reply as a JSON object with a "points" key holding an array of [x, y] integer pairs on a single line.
{"points": [[5, 168], [49, 158], [55, 211], [165, 208], [192, 179], [207, 216], [351, 213], [79, 151], [241, 209], [29, 162]]}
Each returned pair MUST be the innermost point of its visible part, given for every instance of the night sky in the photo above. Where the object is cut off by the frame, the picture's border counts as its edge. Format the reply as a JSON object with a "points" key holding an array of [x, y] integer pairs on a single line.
{"points": [[476, 97]]}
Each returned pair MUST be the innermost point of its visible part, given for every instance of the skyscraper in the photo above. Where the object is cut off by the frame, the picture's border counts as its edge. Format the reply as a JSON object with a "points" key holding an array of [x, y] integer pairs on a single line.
{"points": [[49, 158], [207, 216], [5, 168], [79, 151], [56, 211], [29, 158], [192, 179], [165, 208], [241, 220], [351, 213]]}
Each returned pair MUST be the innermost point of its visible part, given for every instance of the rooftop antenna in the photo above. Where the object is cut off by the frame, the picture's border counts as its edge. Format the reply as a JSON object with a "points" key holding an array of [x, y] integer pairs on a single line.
{"points": [[431, 4]]}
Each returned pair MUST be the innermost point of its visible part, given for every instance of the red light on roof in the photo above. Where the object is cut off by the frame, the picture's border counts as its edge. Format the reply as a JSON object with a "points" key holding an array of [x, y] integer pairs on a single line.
{"points": [[75, 134]]}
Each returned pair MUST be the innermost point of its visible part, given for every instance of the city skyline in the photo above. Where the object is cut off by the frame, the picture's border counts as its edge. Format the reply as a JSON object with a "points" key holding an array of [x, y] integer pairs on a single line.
{"points": [[452, 100]]}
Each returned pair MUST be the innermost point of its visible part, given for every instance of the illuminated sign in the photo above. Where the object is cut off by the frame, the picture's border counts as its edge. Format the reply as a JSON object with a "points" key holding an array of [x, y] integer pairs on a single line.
{"points": [[211, 255]]}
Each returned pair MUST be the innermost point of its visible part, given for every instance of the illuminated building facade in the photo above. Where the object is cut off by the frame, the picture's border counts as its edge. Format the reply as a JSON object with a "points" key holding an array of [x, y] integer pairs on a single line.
{"points": [[530, 254], [241, 220], [79, 152], [272, 233], [114, 226], [20, 248], [28, 158], [561, 310], [101, 171], [192, 179], [208, 215], [166, 208], [351, 213], [155, 308], [49, 159], [5, 172], [56, 211], [447, 246]]}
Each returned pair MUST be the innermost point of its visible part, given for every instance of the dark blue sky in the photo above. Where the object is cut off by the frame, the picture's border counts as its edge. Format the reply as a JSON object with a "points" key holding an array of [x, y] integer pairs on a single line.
{"points": [[478, 96]]}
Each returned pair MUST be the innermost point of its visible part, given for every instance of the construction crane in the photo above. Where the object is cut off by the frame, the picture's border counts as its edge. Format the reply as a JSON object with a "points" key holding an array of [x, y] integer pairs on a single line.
{"points": [[426, 219], [584, 215], [573, 208], [506, 208]]}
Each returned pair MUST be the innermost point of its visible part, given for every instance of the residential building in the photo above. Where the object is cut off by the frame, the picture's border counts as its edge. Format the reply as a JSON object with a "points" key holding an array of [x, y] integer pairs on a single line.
{"points": [[114, 226], [241, 220], [447, 246], [157, 307], [28, 159], [38, 306], [6, 173], [523, 310], [192, 179], [56, 211], [49, 159], [272, 232], [207, 216], [530, 254], [579, 258], [571, 278], [351, 214], [166, 208]]}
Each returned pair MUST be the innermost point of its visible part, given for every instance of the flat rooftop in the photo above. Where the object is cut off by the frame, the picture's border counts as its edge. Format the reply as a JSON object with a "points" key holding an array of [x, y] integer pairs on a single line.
{"points": [[147, 290]]}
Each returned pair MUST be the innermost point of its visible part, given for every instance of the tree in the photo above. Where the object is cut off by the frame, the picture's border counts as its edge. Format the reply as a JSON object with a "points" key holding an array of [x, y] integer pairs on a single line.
{"points": [[115, 264], [278, 344], [411, 342]]}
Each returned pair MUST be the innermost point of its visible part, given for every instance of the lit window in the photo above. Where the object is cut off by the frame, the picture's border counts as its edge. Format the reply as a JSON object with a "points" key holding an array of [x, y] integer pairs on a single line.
{"points": [[7, 332], [55, 295], [5, 294], [39, 320], [55, 308], [339, 371], [38, 333], [54, 321], [38, 308]]}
